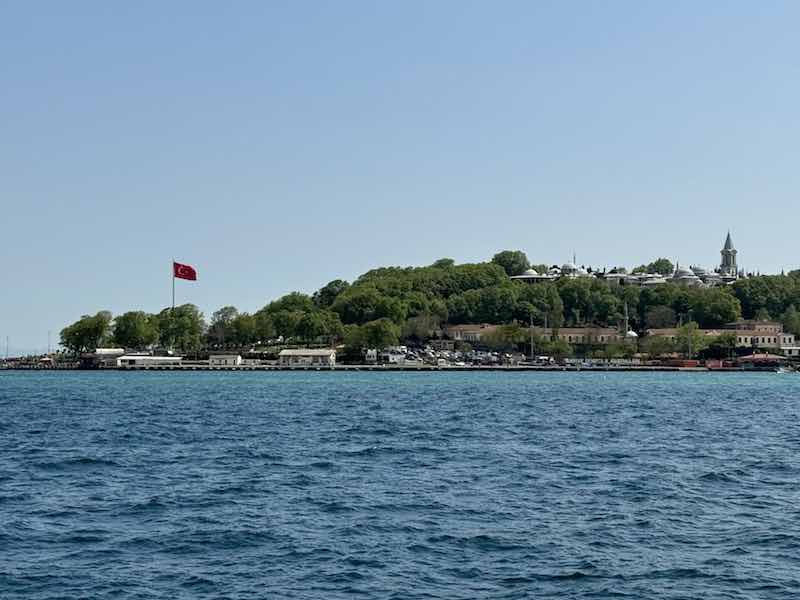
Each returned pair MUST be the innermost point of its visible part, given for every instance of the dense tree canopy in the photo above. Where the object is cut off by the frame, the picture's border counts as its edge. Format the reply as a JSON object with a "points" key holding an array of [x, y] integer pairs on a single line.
{"points": [[135, 329], [388, 304], [87, 333], [514, 262]]}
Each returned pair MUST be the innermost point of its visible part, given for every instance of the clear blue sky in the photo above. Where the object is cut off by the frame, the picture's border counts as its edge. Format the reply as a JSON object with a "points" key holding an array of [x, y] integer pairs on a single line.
{"points": [[279, 145]]}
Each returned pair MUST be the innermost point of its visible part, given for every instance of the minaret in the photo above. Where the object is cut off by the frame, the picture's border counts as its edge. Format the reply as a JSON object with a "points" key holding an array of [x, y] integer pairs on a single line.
{"points": [[728, 252]]}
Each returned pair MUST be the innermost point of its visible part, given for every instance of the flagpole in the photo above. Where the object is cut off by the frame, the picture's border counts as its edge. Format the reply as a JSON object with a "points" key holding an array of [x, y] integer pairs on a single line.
{"points": [[172, 269]]}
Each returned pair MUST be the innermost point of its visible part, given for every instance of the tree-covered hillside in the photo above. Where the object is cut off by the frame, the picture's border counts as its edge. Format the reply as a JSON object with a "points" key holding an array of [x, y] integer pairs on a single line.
{"points": [[389, 304]]}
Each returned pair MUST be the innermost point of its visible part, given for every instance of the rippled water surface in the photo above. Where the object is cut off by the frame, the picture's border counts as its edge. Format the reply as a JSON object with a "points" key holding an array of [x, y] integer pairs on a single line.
{"points": [[399, 485]]}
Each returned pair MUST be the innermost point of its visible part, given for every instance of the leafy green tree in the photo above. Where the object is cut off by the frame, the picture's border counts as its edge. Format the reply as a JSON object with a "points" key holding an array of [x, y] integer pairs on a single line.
{"points": [[377, 334], [791, 320], [723, 346], [286, 321], [496, 304], [514, 262], [327, 295], [616, 350], [661, 266], [714, 307], [660, 317], [244, 329], [771, 293], [657, 346], [421, 327], [506, 338], [319, 324], [181, 328], [364, 303], [135, 329], [444, 263], [557, 348], [221, 329], [690, 340], [87, 333], [265, 327], [294, 301], [464, 307]]}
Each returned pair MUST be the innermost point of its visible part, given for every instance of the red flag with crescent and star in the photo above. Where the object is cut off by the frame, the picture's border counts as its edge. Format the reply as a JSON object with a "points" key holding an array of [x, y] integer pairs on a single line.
{"points": [[184, 271]]}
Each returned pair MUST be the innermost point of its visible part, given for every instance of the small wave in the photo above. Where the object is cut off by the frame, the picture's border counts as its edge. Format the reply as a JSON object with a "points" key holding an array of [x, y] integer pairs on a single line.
{"points": [[76, 464], [718, 477], [481, 542]]}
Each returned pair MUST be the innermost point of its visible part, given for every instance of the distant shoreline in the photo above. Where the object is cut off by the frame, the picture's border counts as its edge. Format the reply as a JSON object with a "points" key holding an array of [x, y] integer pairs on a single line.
{"points": [[418, 369]]}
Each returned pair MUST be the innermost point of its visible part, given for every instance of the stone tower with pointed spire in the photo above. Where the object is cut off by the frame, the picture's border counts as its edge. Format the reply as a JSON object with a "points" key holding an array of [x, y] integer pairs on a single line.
{"points": [[728, 267]]}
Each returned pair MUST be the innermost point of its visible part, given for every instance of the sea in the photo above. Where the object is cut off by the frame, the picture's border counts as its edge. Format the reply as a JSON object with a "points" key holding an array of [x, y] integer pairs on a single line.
{"points": [[444, 485]]}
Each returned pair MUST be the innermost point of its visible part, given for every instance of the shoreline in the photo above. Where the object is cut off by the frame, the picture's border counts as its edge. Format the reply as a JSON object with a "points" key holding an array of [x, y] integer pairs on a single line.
{"points": [[401, 368]]}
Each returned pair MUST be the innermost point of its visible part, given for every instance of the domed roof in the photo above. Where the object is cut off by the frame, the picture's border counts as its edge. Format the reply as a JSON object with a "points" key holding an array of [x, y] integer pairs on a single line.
{"points": [[531, 273], [569, 268], [683, 272], [631, 335]]}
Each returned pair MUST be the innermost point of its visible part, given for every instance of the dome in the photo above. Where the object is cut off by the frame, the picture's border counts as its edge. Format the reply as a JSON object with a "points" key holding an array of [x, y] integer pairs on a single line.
{"points": [[531, 273], [699, 271], [631, 335], [683, 272], [568, 268]]}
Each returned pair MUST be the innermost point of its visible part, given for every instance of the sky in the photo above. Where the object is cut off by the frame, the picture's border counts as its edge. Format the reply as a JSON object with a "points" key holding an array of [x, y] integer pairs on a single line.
{"points": [[277, 145]]}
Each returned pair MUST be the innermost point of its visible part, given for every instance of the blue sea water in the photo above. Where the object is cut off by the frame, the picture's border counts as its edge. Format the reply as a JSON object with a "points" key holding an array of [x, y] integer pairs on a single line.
{"points": [[399, 485]]}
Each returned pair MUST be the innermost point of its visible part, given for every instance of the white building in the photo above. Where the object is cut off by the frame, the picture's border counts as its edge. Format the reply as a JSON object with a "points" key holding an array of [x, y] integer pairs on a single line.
{"points": [[307, 357], [146, 360], [224, 360]]}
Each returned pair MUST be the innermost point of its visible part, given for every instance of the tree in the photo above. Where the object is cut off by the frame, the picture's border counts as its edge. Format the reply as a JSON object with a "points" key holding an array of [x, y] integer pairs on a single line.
{"points": [[723, 346], [243, 328], [657, 345], [221, 329], [363, 303], [661, 266], [286, 321], [791, 320], [444, 263], [713, 307], [181, 327], [311, 326], [660, 317], [380, 334], [421, 327], [265, 327], [135, 329], [690, 340], [514, 262], [87, 333], [506, 338], [557, 348], [326, 295], [294, 301]]}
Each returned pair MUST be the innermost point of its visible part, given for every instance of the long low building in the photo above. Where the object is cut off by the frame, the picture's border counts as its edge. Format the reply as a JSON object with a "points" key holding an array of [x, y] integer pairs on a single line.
{"points": [[572, 335], [749, 334], [146, 360], [307, 357]]}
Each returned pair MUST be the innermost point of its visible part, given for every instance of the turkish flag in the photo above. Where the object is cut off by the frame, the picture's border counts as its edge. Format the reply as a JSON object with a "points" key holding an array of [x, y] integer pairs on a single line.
{"points": [[184, 271]]}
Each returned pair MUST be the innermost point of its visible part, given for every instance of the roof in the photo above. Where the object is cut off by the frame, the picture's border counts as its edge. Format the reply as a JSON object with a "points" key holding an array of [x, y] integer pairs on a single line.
{"points": [[307, 352], [151, 358], [762, 358], [470, 327], [728, 242]]}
